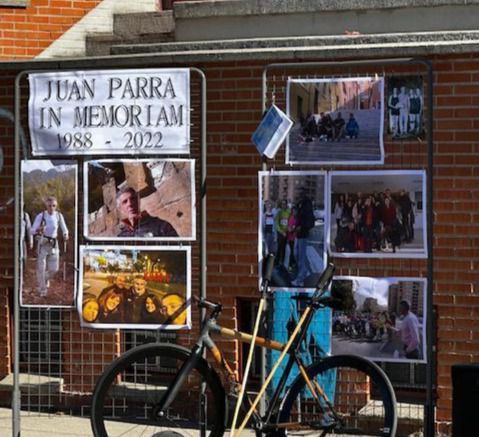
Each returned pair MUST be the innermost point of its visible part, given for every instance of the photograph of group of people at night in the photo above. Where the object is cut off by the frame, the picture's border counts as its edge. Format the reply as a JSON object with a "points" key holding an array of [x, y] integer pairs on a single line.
{"points": [[131, 287]]}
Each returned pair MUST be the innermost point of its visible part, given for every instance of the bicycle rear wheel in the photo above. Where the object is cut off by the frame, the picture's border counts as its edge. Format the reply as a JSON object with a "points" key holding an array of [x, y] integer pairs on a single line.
{"points": [[128, 391], [362, 399]]}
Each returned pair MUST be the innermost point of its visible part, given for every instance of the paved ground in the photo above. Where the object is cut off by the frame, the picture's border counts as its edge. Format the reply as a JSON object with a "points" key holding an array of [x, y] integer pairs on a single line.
{"points": [[46, 425]]}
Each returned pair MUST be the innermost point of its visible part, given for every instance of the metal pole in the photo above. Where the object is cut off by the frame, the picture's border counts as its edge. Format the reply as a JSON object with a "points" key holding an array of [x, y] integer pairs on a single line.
{"points": [[431, 320], [203, 253], [16, 395], [264, 167], [202, 238]]}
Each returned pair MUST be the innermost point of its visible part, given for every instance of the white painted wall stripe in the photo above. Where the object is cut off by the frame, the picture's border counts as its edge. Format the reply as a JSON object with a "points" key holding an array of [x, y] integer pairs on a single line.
{"points": [[99, 19]]}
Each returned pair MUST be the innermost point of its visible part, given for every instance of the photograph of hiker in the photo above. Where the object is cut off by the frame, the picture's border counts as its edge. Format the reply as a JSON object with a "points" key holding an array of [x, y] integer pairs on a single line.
{"points": [[48, 233]]}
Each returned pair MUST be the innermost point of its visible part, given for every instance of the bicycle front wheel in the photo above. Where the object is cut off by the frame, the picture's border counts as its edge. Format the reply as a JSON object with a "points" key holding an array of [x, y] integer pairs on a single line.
{"points": [[126, 394], [354, 397]]}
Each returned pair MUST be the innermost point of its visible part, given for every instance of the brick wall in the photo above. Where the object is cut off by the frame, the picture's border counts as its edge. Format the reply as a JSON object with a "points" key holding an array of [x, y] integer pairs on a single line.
{"points": [[26, 32], [234, 102], [30, 32], [6, 224], [234, 108], [456, 231]]}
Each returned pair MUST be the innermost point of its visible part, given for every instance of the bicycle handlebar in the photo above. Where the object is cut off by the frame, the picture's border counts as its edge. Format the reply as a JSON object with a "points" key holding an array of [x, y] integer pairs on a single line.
{"points": [[203, 303], [269, 268], [325, 278]]}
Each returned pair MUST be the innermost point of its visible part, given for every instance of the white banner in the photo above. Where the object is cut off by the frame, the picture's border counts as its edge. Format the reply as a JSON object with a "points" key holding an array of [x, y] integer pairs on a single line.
{"points": [[114, 112]]}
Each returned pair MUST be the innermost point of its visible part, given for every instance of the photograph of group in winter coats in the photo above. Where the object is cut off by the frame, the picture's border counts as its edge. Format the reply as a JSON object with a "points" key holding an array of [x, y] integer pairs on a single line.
{"points": [[378, 214]]}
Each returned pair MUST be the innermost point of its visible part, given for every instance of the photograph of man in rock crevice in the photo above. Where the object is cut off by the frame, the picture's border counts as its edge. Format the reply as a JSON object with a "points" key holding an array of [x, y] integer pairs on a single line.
{"points": [[140, 200]]}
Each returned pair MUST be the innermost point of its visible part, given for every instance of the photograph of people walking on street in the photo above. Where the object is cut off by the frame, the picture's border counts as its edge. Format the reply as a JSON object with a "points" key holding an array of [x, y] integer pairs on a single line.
{"points": [[292, 217], [131, 287], [336, 121], [387, 321], [405, 106], [378, 214], [48, 233], [139, 199]]}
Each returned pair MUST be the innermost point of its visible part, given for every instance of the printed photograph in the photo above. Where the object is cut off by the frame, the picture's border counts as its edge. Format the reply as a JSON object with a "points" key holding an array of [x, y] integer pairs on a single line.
{"points": [[48, 233], [405, 106], [336, 121], [139, 200], [292, 226], [286, 310], [378, 214], [386, 320], [135, 287]]}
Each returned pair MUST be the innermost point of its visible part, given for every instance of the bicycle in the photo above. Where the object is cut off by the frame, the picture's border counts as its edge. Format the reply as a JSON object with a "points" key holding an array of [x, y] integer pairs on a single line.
{"points": [[166, 390]]}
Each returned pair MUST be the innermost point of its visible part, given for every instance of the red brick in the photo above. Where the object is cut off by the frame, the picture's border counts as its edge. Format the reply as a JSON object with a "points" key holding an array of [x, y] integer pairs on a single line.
{"points": [[466, 89], [453, 77]]}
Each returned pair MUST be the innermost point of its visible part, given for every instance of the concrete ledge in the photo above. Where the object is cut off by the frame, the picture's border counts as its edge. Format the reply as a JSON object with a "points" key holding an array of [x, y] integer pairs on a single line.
{"points": [[358, 41], [223, 8], [311, 48], [214, 20], [134, 56], [135, 24], [100, 44]]}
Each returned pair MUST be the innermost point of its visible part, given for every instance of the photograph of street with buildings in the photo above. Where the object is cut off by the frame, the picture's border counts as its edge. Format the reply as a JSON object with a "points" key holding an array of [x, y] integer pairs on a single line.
{"points": [[386, 322], [135, 287], [292, 206], [336, 121]]}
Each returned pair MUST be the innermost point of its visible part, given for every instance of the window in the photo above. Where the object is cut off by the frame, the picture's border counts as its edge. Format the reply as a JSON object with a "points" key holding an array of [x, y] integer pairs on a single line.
{"points": [[132, 339], [247, 312], [409, 381]]}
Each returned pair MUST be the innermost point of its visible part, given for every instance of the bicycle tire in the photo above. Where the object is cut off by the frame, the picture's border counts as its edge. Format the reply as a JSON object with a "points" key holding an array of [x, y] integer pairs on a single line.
{"points": [[361, 393], [125, 395]]}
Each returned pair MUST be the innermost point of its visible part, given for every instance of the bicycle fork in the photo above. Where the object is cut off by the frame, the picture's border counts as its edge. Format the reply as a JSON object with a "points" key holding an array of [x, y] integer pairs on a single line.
{"points": [[173, 389]]}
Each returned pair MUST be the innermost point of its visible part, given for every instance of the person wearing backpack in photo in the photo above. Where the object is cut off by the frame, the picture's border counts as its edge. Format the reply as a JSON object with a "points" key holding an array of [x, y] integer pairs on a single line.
{"points": [[45, 228]]}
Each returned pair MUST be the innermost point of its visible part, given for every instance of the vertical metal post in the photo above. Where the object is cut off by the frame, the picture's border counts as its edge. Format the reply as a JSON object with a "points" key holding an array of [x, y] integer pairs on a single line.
{"points": [[264, 167], [429, 408], [203, 249], [16, 257]]}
